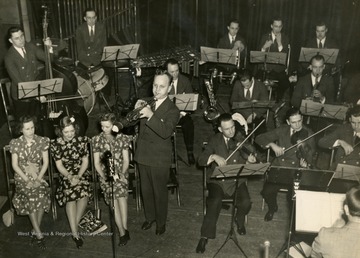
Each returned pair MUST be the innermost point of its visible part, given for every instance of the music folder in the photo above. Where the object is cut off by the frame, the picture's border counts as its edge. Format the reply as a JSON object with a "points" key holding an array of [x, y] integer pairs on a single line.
{"points": [[268, 57], [230, 171], [185, 102], [315, 210], [253, 104], [114, 53], [218, 55]]}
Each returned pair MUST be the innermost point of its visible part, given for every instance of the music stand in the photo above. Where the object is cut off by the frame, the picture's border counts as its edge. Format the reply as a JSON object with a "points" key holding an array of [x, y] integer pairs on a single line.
{"points": [[310, 108], [115, 56], [218, 55], [185, 102], [267, 58], [300, 178], [39, 88], [347, 172], [231, 235], [330, 54], [256, 169]]}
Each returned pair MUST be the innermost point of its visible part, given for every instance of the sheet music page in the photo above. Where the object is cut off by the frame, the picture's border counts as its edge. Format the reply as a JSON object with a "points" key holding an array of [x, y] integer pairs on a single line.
{"points": [[315, 210]]}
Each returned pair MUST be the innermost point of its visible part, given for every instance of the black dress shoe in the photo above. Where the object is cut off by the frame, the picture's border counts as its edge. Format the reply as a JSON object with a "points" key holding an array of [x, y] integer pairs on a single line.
{"points": [[191, 158], [269, 215], [161, 230], [241, 230], [201, 245], [78, 241], [147, 225]]}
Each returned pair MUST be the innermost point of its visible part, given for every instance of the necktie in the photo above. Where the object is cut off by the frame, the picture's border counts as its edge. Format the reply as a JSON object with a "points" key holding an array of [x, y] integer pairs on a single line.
{"points": [[320, 44], [24, 52], [227, 143], [247, 95], [232, 39], [317, 81], [92, 33], [356, 140], [153, 106]]}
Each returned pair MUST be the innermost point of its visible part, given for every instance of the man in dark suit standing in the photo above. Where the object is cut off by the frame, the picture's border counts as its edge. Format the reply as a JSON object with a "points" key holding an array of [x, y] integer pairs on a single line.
{"points": [[90, 39], [347, 138], [181, 84], [219, 148], [316, 85], [22, 64], [154, 150], [278, 140], [248, 89], [276, 41]]}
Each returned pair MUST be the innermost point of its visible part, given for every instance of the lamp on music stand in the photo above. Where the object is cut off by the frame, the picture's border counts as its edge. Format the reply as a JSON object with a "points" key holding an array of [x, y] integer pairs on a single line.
{"points": [[300, 178], [229, 172], [117, 57]]}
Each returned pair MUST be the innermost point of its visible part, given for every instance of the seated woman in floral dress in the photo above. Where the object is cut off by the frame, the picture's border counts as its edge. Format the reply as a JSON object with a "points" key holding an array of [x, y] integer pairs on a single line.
{"points": [[118, 144], [30, 160], [71, 156]]}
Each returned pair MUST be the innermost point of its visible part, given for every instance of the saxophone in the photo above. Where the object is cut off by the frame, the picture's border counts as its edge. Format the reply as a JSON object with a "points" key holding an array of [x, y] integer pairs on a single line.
{"points": [[211, 113]]}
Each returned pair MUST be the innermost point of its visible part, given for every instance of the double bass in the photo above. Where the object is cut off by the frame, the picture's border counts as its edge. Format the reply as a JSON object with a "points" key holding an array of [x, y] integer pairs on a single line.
{"points": [[64, 103]]}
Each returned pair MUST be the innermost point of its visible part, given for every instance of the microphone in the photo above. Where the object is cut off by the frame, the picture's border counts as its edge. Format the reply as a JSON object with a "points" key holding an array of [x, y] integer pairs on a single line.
{"points": [[233, 76]]}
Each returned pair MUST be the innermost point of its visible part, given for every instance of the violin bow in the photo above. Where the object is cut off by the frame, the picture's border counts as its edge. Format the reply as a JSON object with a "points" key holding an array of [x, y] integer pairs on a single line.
{"points": [[247, 137], [307, 138]]}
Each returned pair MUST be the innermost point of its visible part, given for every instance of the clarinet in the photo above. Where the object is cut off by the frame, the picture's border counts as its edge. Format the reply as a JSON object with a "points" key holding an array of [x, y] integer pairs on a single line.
{"points": [[110, 165]]}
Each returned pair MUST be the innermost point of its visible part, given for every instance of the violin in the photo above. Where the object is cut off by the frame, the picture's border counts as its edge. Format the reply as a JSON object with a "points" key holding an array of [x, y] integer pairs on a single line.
{"points": [[303, 150]]}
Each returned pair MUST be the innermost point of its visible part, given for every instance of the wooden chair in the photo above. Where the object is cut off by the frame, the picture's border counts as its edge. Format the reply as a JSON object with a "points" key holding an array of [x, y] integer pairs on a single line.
{"points": [[10, 181]]}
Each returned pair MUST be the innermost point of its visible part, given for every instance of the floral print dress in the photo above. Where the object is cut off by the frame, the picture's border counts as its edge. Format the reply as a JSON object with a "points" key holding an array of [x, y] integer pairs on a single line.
{"points": [[29, 200], [71, 154], [101, 144]]}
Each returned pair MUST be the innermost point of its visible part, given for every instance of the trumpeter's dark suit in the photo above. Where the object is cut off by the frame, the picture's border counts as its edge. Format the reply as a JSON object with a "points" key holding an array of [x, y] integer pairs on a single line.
{"points": [[153, 154], [219, 189], [186, 122], [304, 88], [90, 51], [259, 93], [23, 70]]}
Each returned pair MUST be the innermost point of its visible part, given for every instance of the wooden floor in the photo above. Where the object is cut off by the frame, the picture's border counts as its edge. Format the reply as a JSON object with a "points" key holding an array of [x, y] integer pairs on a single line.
{"points": [[183, 225]]}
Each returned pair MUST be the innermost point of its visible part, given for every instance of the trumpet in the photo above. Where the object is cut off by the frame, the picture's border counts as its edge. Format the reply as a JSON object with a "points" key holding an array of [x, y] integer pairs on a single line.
{"points": [[133, 116]]}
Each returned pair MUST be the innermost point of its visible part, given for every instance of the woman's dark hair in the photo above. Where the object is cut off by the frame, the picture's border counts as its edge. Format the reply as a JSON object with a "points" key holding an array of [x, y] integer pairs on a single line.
{"points": [[22, 120], [65, 122]]}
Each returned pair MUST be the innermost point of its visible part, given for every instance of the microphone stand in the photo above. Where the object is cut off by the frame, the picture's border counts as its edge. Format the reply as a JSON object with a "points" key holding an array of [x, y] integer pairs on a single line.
{"points": [[112, 176], [231, 235]]}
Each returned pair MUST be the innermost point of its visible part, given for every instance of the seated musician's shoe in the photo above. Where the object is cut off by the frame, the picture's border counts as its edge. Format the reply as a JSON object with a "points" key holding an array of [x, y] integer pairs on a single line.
{"points": [[161, 230], [147, 225], [191, 158], [201, 245], [270, 214], [241, 230]]}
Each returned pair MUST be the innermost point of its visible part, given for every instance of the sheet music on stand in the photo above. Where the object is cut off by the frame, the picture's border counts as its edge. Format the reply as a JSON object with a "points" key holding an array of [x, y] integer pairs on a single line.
{"points": [[39, 88], [218, 55], [330, 54], [186, 102], [114, 53], [253, 104], [268, 57], [311, 108], [315, 210], [230, 171], [309, 178], [348, 172]]}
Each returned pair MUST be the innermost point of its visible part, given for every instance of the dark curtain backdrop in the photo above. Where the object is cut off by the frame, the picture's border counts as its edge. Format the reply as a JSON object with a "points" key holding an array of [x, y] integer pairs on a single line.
{"points": [[167, 23]]}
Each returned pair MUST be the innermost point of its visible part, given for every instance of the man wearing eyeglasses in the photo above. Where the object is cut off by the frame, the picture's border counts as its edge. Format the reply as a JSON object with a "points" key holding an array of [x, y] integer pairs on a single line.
{"points": [[90, 39]]}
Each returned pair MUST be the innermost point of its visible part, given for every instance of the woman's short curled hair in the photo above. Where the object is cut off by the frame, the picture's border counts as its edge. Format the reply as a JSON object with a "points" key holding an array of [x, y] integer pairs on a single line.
{"points": [[111, 117], [65, 122], [25, 119]]}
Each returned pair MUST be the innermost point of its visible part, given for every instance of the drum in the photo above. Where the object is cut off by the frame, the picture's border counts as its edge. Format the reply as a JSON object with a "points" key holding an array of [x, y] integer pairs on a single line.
{"points": [[86, 92], [98, 79]]}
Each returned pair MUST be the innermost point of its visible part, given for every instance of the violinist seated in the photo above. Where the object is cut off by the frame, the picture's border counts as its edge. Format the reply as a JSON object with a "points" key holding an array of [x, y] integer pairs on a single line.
{"points": [[22, 64], [248, 89], [220, 146], [181, 84], [347, 138], [316, 86], [280, 139]]}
